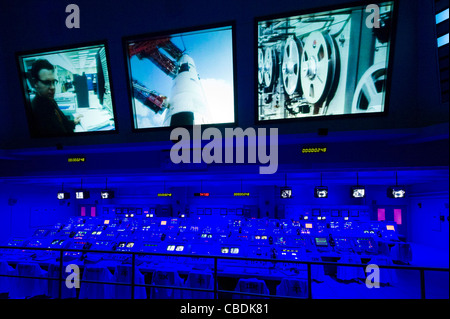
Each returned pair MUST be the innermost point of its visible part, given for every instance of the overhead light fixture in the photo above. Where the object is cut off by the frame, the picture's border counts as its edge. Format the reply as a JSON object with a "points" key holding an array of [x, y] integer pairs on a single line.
{"points": [[358, 191], [396, 191], [62, 194], [106, 193], [321, 191]]}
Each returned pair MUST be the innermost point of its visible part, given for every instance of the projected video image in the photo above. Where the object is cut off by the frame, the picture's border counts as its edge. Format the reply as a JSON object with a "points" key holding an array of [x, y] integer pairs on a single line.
{"points": [[67, 91], [324, 63], [182, 79]]}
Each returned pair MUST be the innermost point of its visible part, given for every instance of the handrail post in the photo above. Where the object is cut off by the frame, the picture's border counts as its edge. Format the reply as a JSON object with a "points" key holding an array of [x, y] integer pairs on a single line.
{"points": [[60, 281], [215, 278], [422, 284], [133, 266], [309, 281]]}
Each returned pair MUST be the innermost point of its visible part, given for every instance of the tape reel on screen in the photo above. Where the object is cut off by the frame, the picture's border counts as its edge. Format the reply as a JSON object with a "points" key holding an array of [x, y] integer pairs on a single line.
{"points": [[319, 67], [260, 66], [290, 68], [368, 95], [270, 71]]}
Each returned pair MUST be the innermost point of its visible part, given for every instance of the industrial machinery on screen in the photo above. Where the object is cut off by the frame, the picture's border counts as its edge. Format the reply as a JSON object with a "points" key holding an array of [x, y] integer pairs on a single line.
{"points": [[323, 64], [314, 236]]}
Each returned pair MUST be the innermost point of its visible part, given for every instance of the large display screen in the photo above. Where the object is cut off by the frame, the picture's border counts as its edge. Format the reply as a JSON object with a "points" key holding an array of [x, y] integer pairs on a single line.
{"points": [[67, 91], [327, 63], [182, 79]]}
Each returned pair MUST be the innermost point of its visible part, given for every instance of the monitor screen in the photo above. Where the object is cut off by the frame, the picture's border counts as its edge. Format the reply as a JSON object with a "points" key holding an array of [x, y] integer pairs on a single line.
{"points": [[321, 192], [63, 195], [321, 241], [171, 248], [179, 248], [390, 227], [396, 192], [208, 211], [67, 91], [322, 64], [285, 192], [224, 250], [107, 194], [182, 78], [308, 225], [82, 194], [358, 191]]}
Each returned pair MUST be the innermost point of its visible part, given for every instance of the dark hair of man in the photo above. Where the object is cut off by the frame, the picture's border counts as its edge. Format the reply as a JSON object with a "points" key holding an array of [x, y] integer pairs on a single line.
{"points": [[39, 65]]}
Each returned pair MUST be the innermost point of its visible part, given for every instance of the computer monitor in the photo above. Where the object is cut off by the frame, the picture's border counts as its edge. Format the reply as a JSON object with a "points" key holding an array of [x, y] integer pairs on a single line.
{"points": [[305, 60], [322, 242], [67, 90], [82, 194], [396, 192], [167, 69], [321, 192], [285, 192], [107, 194], [358, 191], [63, 195]]}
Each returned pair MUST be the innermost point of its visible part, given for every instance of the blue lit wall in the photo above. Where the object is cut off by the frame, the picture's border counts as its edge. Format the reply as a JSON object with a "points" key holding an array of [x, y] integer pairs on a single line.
{"points": [[414, 101]]}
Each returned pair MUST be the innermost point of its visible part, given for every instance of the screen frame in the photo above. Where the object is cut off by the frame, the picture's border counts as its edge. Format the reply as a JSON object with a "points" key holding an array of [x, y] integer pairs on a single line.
{"points": [[165, 33], [19, 55], [315, 10]]}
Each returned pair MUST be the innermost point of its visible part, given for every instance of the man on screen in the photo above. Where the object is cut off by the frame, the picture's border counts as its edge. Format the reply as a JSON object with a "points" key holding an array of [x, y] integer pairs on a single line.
{"points": [[48, 119]]}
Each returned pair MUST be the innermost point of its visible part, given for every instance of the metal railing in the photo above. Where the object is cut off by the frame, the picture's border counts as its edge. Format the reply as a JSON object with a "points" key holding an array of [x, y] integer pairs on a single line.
{"points": [[215, 290]]}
